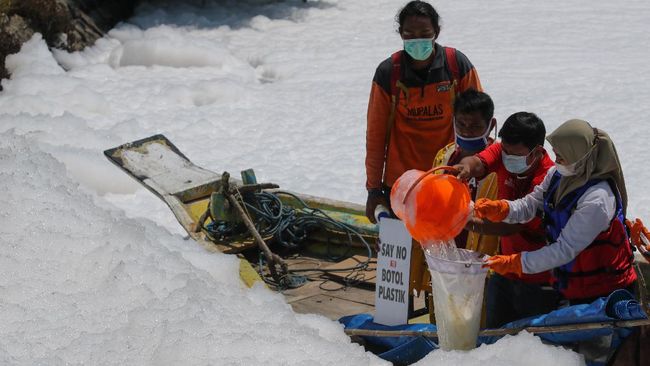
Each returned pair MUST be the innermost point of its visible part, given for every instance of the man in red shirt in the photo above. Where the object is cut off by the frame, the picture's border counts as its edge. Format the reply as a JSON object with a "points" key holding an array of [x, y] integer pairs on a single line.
{"points": [[520, 162]]}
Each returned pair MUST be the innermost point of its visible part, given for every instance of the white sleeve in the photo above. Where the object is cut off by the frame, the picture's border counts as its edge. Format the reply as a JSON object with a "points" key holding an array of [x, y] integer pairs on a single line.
{"points": [[593, 215], [525, 209]]}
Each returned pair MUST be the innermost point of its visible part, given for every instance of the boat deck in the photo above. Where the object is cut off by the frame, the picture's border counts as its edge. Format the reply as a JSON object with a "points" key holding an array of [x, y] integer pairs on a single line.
{"points": [[336, 294]]}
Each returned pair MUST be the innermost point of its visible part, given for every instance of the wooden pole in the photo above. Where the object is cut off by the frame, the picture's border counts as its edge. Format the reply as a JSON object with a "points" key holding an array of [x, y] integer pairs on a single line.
{"points": [[504, 331], [271, 258]]}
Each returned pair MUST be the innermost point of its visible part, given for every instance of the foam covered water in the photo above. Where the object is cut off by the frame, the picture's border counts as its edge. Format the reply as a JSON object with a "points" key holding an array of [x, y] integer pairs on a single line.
{"points": [[522, 349], [94, 269], [82, 283]]}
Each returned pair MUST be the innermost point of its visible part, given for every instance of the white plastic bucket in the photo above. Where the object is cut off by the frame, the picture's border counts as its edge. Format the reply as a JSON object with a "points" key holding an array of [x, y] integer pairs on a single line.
{"points": [[458, 280]]}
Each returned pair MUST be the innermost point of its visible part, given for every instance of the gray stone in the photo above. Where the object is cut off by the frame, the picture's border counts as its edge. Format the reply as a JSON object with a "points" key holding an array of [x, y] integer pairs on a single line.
{"points": [[71, 25], [14, 31]]}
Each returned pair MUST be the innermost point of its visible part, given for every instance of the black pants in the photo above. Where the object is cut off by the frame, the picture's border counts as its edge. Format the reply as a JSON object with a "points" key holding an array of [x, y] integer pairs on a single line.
{"points": [[509, 300]]}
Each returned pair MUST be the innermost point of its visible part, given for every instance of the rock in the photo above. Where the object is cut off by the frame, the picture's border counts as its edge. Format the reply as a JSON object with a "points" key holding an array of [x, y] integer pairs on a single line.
{"points": [[14, 31], [49, 17], [66, 24]]}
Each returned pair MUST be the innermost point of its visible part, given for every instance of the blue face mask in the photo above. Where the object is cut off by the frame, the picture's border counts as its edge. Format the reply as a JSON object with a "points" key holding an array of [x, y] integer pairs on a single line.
{"points": [[472, 143], [515, 164], [419, 48]]}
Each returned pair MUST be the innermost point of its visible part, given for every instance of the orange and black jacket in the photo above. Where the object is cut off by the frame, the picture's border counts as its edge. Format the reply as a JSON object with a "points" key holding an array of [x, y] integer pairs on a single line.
{"points": [[423, 118]]}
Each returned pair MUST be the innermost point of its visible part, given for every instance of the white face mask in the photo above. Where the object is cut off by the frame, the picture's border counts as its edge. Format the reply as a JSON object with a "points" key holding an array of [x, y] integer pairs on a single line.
{"points": [[572, 169], [515, 164], [566, 170]]}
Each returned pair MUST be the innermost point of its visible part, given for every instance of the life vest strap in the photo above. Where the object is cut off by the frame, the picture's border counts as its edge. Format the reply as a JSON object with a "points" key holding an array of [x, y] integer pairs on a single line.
{"points": [[608, 270]]}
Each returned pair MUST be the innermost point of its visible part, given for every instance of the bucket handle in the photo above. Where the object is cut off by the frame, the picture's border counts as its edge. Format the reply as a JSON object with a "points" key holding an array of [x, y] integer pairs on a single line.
{"points": [[430, 171]]}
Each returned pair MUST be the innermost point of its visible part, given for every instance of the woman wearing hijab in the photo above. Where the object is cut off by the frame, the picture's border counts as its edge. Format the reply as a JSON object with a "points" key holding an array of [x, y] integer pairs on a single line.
{"points": [[584, 202]]}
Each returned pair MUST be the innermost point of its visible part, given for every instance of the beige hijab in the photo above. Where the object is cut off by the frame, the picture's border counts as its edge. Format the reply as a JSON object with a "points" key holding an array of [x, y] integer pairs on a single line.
{"points": [[576, 141]]}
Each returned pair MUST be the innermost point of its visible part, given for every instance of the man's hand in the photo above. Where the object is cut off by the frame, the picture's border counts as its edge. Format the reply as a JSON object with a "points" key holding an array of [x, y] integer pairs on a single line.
{"points": [[464, 171], [505, 264], [493, 210], [470, 167], [375, 198]]}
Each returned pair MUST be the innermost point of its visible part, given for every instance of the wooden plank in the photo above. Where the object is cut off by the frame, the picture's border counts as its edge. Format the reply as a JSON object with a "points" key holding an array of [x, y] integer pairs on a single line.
{"points": [[335, 304], [506, 331], [324, 203], [156, 160], [368, 276], [331, 307]]}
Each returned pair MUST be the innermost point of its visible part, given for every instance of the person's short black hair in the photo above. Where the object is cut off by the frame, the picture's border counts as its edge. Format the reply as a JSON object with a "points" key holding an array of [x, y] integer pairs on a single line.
{"points": [[420, 9], [523, 128], [472, 101]]}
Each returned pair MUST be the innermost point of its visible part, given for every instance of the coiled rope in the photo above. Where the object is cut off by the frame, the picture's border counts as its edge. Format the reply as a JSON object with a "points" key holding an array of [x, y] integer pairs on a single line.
{"points": [[290, 227]]}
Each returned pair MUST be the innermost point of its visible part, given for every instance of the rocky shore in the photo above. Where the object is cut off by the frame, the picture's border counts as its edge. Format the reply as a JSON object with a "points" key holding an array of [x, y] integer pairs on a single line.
{"points": [[65, 24]]}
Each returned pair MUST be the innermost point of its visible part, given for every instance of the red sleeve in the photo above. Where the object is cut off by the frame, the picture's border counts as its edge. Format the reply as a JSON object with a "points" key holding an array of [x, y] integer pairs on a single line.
{"points": [[534, 230], [537, 180], [378, 111], [491, 157]]}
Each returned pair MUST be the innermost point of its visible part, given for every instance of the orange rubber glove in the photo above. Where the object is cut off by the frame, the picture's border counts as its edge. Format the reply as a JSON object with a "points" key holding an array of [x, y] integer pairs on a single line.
{"points": [[493, 210], [504, 264], [636, 230]]}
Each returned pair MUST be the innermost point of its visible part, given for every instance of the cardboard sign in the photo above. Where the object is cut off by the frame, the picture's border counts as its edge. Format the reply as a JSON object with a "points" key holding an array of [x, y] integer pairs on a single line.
{"points": [[393, 269]]}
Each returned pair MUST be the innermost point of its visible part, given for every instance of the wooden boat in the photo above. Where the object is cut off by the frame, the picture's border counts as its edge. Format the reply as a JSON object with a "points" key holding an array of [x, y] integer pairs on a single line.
{"points": [[332, 272], [186, 188]]}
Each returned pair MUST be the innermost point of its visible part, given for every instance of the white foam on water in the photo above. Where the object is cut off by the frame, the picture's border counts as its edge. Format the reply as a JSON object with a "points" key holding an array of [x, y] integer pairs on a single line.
{"points": [[522, 349], [83, 284], [86, 276]]}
